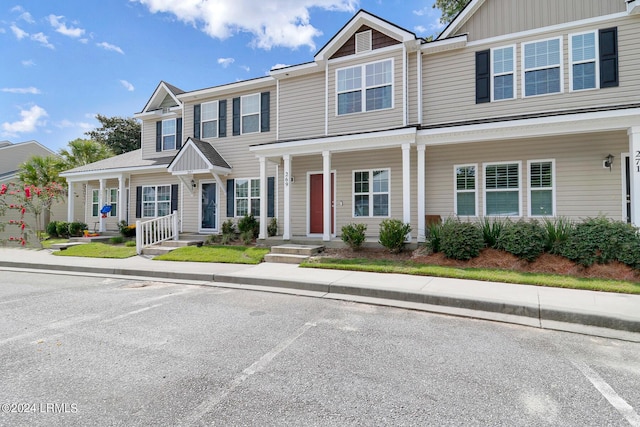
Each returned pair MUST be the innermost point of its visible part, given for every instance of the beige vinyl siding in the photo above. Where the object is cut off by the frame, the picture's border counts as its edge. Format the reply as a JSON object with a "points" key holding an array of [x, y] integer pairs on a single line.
{"points": [[499, 17], [372, 120], [148, 142], [344, 165], [190, 160], [302, 106], [583, 187], [412, 88], [449, 80], [111, 222]]}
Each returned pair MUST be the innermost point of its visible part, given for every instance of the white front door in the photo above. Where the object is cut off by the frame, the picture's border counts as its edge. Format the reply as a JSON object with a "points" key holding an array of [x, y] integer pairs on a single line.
{"points": [[208, 206]]}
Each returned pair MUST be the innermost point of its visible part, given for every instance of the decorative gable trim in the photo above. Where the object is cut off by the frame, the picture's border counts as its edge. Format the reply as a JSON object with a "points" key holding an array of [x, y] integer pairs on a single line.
{"points": [[461, 19], [211, 160], [159, 95]]}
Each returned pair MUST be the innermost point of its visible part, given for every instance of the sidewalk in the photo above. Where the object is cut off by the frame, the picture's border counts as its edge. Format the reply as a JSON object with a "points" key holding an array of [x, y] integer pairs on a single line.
{"points": [[594, 313]]}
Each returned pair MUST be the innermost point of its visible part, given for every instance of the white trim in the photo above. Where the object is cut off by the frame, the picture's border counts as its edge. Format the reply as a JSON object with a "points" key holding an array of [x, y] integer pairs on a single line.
{"points": [[460, 20], [277, 110], [596, 60], [552, 188], [436, 46], [228, 89], [513, 73], [249, 197], [294, 70], [405, 75], [545, 30], [456, 191], [421, 193], [217, 206], [370, 193], [560, 66], [286, 181], [242, 116], [364, 55], [484, 187], [364, 87], [175, 134], [624, 158], [216, 120], [308, 203], [155, 201], [326, 99], [210, 167], [419, 85]]}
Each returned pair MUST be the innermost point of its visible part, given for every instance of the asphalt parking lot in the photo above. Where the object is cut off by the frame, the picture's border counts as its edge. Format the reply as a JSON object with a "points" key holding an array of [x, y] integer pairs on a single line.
{"points": [[79, 351]]}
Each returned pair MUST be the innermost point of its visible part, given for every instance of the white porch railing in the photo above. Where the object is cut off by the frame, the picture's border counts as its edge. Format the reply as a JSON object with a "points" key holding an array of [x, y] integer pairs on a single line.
{"points": [[156, 230]]}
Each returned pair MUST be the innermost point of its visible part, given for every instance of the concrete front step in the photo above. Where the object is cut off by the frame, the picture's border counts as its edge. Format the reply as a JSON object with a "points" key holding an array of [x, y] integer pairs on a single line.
{"points": [[181, 243], [286, 258], [157, 250], [291, 249]]}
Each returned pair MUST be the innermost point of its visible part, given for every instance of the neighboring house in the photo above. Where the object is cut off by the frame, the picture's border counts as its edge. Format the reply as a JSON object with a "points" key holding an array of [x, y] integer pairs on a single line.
{"points": [[519, 111]]}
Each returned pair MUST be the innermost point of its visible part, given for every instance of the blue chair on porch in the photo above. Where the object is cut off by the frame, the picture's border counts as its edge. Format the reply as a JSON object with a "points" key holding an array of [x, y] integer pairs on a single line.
{"points": [[105, 210]]}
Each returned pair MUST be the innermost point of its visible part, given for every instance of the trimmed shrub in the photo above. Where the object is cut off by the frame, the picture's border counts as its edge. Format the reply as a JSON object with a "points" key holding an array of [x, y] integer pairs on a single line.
{"points": [[558, 231], [393, 234], [247, 237], [491, 230], [461, 240], [52, 229], [249, 224], [353, 235], [600, 240], [272, 228], [76, 228], [116, 240], [126, 230], [524, 239], [433, 237], [62, 229], [130, 243]]}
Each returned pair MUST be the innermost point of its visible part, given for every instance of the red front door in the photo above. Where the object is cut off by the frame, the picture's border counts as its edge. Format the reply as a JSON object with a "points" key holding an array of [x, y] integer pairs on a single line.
{"points": [[316, 214]]}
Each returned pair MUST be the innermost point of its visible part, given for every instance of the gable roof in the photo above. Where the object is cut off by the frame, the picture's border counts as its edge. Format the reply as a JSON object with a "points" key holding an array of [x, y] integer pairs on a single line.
{"points": [[12, 155], [460, 19], [162, 90], [205, 151], [362, 17], [131, 161]]}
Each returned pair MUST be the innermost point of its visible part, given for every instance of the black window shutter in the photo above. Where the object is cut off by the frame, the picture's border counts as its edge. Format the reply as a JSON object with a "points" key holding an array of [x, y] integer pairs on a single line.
{"points": [[609, 57], [271, 197], [138, 202], [264, 111], [231, 193], [174, 197], [179, 133], [236, 116], [159, 135], [483, 76], [222, 118], [196, 121]]}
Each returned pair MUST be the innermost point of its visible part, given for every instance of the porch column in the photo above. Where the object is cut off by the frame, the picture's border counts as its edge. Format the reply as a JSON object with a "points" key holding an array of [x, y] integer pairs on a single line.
{"points": [[100, 205], [70, 203], [326, 196], [421, 194], [406, 185], [286, 233], [634, 153], [263, 198], [122, 204]]}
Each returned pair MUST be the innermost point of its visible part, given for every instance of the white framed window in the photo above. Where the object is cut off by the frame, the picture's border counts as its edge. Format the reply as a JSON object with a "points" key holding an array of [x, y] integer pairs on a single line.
{"points": [[209, 119], [583, 60], [367, 87], [502, 192], [503, 67], [250, 113], [169, 134], [156, 200], [95, 202], [542, 67], [466, 185], [542, 194], [112, 199], [371, 193], [247, 196]]}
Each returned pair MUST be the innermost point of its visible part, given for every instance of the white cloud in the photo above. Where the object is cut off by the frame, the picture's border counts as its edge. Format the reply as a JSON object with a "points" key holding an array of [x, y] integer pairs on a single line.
{"points": [[42, 39], [283, 23], [18, 32], [422, 12], [128, 86], [66, 124], [31, 119], [58, 24], [419, 29], [111, 47], [22, 90], [28, 63], [26, 16], [275, 67], [246, 68], [225, 62]]}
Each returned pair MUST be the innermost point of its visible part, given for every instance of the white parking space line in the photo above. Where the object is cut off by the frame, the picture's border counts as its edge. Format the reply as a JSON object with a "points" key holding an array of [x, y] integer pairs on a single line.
{"points": [[257, 366], [131, 313], [609, 393]]}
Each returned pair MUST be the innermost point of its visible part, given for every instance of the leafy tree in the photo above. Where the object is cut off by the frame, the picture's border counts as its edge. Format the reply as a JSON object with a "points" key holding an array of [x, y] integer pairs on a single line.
{"points": [[42, 172], [118, 133], [82, 152], [450, 9]]}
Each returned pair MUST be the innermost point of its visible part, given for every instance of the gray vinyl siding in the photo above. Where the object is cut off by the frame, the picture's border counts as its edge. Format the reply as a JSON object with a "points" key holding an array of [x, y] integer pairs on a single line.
{"points": [[583, 187], [372, 120], [344, 165], [302, 106], [190, 160], [499, 17], [450, 96]]}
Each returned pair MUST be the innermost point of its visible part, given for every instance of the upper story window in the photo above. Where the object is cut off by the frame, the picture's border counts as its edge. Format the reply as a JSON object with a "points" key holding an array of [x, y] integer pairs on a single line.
{"points": [[209, 119], [583, 50], [250, 113], [542, 67], [169, 134], [369, 85], [503, 70]]}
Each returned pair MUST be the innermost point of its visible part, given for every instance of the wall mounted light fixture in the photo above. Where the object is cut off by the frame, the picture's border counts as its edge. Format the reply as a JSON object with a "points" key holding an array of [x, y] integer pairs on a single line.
{"points": [[608, 162], [193, 183]]}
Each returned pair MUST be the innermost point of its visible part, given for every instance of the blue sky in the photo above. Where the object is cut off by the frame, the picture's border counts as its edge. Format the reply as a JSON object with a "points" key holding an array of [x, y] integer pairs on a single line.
{"points": [[63, 61]]}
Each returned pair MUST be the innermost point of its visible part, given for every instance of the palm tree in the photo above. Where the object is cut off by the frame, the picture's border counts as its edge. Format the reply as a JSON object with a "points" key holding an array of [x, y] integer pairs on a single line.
{"points": [[82, 152]]}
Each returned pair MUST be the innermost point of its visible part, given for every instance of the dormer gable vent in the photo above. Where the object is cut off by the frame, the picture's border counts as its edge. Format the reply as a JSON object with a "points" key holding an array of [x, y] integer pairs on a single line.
{"points": [[363, 41]]}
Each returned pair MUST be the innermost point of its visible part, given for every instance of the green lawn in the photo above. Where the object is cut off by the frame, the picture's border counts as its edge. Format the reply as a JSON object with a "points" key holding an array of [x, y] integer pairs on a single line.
{"points": [[98, 250], [46, 244], [490, 275], [225, 254]]}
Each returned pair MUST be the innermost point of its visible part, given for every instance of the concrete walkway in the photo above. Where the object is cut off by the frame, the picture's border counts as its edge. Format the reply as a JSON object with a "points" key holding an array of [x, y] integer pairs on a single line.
{"points": [[595, 313]]}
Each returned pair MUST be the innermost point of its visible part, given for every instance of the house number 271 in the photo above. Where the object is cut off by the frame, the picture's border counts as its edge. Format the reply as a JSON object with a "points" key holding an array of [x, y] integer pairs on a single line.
{"points": [[637, 159]]}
